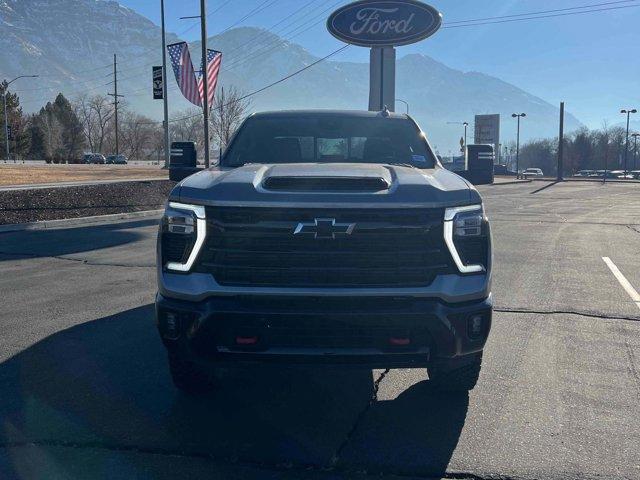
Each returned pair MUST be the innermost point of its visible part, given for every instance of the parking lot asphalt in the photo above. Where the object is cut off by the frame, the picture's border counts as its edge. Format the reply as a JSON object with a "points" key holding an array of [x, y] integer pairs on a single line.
{"points": [[85, 391]]}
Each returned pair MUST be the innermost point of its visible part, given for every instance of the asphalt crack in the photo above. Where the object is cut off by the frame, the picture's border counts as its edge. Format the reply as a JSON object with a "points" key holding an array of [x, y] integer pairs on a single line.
{"points": [[335, 459], [565, 312], [75, 260]]}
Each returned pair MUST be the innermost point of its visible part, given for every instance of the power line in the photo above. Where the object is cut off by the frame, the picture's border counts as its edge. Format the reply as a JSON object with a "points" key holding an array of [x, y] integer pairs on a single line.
{"points": [[260, 90], [541, 12], [540, 17], [613, 5], [266, 47]]}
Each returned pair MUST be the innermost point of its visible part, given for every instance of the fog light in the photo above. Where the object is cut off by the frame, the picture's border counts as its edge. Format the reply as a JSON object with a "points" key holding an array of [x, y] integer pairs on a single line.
{"points": [[171, 326], [475, 326]]}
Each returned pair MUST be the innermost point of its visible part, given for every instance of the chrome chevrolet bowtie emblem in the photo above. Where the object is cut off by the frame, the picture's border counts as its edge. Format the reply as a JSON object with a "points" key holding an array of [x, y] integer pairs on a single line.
{"points": [[324, 228]]}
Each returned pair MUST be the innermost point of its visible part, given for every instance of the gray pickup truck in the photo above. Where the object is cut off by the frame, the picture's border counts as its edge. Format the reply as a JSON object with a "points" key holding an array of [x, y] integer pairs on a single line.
{"points": [[325, 237]]}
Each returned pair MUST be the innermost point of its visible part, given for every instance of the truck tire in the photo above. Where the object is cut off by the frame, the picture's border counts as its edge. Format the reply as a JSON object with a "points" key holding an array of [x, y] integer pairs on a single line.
{"points": [[189, 377], [456, 375]]}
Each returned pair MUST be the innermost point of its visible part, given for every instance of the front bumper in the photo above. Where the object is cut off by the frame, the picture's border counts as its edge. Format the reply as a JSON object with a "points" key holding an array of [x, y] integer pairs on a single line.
{"points": [[374, 332]]}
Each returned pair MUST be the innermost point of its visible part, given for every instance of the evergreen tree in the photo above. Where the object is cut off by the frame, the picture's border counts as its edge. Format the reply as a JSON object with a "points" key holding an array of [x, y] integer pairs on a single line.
{"points": [[73, 140], [19, 146]]}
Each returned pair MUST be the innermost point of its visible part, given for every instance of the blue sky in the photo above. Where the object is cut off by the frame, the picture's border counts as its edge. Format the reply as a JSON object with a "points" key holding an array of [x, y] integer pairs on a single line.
{"points": [[590, 60]]}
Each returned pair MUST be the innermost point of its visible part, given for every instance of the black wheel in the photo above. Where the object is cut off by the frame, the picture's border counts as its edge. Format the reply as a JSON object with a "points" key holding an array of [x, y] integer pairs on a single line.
{"points": [[456, 375], [189, 377]]}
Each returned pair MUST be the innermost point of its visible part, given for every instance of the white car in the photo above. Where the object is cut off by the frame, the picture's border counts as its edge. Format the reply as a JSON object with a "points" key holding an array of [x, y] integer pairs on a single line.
{"points": [[532, 172]]}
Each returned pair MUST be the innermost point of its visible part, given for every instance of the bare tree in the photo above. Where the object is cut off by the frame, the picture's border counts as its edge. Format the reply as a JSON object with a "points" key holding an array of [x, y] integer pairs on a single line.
{"points": [[229, 110], [95, 114], [137, 134], [186, 126]]}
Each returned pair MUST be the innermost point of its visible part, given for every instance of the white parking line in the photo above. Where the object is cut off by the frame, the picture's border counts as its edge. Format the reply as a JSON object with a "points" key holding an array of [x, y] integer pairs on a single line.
{"points": [[635, 296]]}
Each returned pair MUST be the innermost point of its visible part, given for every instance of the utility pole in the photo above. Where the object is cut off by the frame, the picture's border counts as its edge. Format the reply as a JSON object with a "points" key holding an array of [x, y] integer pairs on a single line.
{"points": [[518, 116], [165, 123], [626, 149], [205, 80], [561, 144], [115, 99]]}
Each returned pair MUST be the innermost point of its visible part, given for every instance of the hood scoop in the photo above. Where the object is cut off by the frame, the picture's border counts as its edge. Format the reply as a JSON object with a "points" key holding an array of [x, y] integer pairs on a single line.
{"points": [[308, 183]]}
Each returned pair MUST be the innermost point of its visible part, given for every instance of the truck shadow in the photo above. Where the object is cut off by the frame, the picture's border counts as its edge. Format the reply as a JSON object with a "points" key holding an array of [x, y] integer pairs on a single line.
{"points": [[104, 384], [65, 241]]}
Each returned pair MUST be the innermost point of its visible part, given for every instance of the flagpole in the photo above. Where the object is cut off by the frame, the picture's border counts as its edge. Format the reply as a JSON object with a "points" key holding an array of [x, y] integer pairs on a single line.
{"points": [[164, 90], [205, 79]]}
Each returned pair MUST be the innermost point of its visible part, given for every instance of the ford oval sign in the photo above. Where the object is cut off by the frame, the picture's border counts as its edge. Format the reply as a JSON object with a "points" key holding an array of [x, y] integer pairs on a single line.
{"points": [[384, 23]]}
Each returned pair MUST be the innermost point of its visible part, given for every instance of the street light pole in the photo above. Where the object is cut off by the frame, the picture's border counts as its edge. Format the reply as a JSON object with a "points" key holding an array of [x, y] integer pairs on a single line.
{"points": [[466, 124], [518, 116], [6, 121], [635, 149], [405, 103], [628, 112]]}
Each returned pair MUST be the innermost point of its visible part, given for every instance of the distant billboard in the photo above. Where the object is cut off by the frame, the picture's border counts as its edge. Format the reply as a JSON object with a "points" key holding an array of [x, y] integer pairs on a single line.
{"points": [[487, 131]]}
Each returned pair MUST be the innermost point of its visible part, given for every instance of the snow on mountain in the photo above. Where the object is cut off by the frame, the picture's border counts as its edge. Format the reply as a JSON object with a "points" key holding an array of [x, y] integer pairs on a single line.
{"points": [[71, 43]]}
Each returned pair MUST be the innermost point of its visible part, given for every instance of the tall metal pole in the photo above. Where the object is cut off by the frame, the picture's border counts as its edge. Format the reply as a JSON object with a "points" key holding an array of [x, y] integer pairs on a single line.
{"points": [[205, 80], [165, 123], [626, 148], [466, 124], [406, 104], [518, 148], [561, 144], [635, 150], [6, 124], [115, 98]]}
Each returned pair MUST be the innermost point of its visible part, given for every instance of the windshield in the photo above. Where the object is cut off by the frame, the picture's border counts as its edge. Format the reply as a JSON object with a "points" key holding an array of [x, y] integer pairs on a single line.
{"points": [[328, 139]]}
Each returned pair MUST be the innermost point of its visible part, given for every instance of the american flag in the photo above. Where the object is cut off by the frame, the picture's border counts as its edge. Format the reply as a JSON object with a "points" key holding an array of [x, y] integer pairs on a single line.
{"points": [[214, 60], [185, 75]]}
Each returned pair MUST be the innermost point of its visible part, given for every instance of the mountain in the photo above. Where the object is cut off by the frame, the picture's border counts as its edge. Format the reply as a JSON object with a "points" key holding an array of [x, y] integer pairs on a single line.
{"points": [[71, 44]]}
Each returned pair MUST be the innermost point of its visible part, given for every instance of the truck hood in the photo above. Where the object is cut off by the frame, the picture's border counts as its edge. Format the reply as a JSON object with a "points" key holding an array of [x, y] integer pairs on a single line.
{"points": [[327, 184]]}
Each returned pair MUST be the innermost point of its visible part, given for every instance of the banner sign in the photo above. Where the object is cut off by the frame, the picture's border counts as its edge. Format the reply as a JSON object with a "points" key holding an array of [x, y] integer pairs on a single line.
{"points": [[487, 131], [157, 83], [384, 23]]}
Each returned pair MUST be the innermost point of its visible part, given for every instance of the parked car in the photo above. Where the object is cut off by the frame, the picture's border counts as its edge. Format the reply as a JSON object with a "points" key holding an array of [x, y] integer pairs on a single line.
{"points": [[290, 183], [501, 169], [635, 174], [532, 172], [584, 173], [94, 158], [117, 159]]}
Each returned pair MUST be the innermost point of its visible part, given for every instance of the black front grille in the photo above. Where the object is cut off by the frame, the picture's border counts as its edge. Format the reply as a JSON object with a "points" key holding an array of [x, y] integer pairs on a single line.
{"points": [[387, 247]]}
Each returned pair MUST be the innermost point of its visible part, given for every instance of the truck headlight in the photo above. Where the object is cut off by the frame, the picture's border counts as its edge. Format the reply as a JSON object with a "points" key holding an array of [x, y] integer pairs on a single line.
{"points": [[183, 229], [466, 233]]}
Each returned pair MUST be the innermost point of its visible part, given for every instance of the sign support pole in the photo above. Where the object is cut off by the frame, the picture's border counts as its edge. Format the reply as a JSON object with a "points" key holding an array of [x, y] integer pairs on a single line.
{"points": [[382, 79]]}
